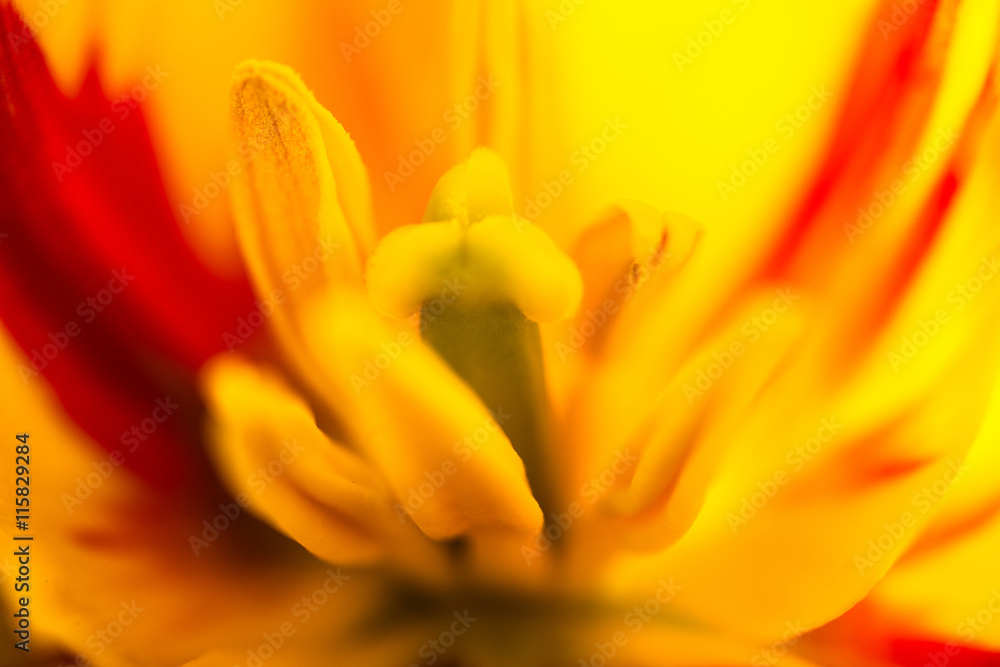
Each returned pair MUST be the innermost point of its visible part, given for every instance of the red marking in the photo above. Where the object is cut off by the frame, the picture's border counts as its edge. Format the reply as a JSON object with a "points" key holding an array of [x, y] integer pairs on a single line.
{"points": [[888, 102], [921, 653], [68, 231]]}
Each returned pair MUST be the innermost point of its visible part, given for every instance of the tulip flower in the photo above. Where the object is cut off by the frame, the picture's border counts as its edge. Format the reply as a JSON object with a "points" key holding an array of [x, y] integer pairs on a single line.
{"points": [[502, 334]]}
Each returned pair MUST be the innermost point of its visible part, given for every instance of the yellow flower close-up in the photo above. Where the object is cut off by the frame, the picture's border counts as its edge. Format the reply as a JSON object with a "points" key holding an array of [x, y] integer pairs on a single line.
{"points": [[500, 333]]}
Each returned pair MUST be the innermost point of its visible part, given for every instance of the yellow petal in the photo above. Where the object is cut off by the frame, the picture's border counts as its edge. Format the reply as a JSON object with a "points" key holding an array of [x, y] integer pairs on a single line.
{"points": [[691, 427], [951, 593], [301, 202], [439, 448], [123, 566], [631, 234], [786, 511], [619, 254], [289, 199], [284, 469]]}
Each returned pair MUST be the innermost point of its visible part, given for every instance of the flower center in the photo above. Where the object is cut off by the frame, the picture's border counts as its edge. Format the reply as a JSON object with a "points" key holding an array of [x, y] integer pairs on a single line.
{"points": [[482, 279]]}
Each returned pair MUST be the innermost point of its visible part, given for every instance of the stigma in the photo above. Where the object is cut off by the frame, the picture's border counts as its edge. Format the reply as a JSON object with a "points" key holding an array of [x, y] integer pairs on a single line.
{"points": [[482, 279]]}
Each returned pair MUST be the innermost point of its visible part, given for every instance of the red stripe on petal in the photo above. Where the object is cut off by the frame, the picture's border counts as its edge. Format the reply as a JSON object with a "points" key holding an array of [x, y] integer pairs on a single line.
{"points": [[920, 653], [865, 636], [93, 247], [933, 215], [889, 100], [944, 534]]}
